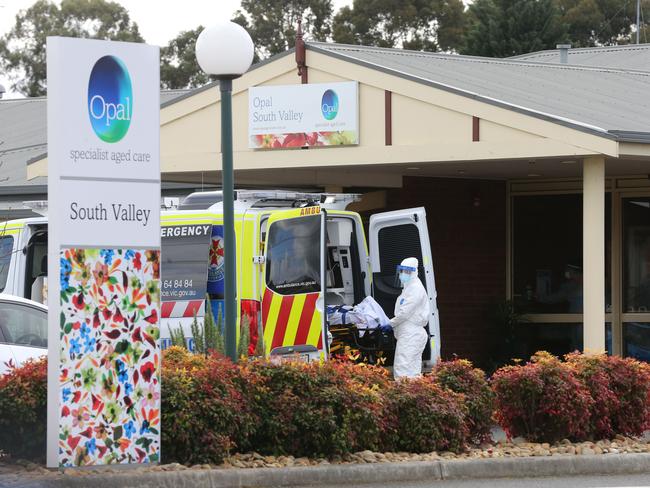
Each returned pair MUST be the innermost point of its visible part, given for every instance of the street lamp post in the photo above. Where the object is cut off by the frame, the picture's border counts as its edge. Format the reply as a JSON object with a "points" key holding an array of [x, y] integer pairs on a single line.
{"points": [[226, 51]]}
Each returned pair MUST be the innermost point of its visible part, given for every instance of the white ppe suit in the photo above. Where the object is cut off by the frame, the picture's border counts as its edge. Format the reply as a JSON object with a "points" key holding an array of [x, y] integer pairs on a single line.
{"points": [[412, 312]]}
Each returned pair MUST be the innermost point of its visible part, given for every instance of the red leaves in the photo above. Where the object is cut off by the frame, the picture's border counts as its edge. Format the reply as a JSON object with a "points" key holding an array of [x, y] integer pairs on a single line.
{"points": [[137, 263], [153, 318], [87, 433], [118, 318], [542, 400], [78, 301], [98, 404], [73, 441], [107, 313], [96, 320], [295, 140], [141, 454], [460, 376], [147, 370], [136, 336], [102, 450], [113, 334]]}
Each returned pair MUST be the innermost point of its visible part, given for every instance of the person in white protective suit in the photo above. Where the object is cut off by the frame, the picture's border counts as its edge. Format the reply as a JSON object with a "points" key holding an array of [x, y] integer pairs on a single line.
{"points": [[412, 311]]}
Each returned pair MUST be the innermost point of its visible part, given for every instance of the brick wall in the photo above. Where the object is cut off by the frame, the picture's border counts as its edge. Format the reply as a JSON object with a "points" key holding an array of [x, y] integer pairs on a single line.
{"points": [[467, 229]]}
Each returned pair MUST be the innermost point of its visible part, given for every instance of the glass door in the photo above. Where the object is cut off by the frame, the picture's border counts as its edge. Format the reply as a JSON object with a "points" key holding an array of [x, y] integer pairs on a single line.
{"points": [[635, 276]]}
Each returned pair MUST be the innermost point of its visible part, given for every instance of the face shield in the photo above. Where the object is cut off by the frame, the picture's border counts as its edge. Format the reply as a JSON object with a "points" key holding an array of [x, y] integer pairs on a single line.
{"points": [[404, 274]]}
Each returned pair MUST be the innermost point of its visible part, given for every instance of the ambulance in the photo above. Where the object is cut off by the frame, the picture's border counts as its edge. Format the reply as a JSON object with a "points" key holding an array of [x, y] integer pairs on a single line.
{"points": [[296, 253]]}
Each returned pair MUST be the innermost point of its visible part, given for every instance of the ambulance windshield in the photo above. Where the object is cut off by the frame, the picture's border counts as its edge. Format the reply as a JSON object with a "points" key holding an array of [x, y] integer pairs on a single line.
{"points": [[293, 256]]}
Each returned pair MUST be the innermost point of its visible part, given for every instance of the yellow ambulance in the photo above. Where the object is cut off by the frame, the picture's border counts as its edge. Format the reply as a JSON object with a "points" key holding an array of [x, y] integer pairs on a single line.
{"points": [[290, 247]]}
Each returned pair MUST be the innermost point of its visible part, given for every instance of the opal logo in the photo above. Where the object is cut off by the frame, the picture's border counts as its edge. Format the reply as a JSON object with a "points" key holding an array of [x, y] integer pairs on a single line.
{"points": [[110, 99], [330, 104]]}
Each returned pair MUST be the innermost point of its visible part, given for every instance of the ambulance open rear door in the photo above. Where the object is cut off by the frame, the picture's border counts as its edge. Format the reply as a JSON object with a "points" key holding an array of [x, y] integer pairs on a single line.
{"points": [[394, 236]]}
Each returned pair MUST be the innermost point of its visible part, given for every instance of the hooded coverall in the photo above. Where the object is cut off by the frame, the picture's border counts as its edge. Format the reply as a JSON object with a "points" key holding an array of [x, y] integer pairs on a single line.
{"points": [[411, 317]]}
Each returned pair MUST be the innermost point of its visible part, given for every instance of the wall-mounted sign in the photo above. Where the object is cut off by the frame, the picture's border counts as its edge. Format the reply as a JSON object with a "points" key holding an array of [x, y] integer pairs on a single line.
{"points": [[320, 114], [104, 248]]}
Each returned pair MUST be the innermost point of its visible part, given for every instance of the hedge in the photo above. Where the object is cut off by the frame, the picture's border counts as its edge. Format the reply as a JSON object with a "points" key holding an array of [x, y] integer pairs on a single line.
{"points": [[585, 397], [212, 407]]}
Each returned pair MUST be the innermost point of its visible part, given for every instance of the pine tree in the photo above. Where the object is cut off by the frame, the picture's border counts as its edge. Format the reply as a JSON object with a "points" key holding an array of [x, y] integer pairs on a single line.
{"points": [[244, 338], [219, 341], [177, 336], [198, 335], [260, 350]]}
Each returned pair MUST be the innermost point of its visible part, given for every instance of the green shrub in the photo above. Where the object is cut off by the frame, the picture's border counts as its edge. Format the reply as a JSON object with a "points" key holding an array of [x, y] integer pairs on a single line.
{"points": [[542, 401], [420, 416], [23, 410], [460, 376]]}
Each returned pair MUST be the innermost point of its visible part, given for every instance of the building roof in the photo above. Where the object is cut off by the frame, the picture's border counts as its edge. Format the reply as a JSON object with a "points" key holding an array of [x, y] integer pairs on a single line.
{"points": [[608, 102], [23, 136], [630, 57]]}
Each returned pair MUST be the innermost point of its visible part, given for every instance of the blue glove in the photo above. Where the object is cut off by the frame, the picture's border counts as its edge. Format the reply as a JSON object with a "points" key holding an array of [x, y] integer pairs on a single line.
{"points": [[385, 328]]}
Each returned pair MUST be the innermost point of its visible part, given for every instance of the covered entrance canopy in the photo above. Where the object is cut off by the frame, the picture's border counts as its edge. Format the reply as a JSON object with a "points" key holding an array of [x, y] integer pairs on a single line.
{"points": [[514, 125]]}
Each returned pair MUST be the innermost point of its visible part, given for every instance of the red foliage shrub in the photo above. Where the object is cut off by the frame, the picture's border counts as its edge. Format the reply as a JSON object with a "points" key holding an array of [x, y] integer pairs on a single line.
{"points": [[591, 372], [423, 417], [314, 409], [620, 388], [23, 410], [460, 376], [542, 400], [205, 413]]}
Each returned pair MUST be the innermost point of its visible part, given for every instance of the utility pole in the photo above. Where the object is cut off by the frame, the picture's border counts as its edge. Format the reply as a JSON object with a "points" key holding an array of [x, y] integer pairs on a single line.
{"points": [[638, 18]]}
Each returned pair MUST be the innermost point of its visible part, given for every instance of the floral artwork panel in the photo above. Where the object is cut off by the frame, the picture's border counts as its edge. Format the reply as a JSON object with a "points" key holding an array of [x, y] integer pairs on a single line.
{"points": [[304, 139], [109, 376]]}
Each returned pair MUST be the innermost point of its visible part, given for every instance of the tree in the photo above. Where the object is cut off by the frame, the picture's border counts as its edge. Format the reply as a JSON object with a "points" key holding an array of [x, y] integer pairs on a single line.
{"points": [[600, 22], [429, 25], [501, 28], [178, 65], [272, 24], [22, 50]]}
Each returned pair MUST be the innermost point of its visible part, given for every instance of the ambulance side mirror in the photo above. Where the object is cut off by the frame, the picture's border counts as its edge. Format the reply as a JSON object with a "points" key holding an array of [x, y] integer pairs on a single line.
{"points": [[319, 303]]}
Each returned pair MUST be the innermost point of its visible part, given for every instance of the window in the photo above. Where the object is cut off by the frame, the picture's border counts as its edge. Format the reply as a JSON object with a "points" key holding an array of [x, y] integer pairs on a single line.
{"points": [[23, 325], [636, 245], [558, 339], [636, 340], [547, 253], [293, 256], [184, 262], [6, 247]]}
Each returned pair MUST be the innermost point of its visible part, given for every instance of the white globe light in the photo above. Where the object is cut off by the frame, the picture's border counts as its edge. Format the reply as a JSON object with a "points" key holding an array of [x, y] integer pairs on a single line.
{"points": [[224, 50]]}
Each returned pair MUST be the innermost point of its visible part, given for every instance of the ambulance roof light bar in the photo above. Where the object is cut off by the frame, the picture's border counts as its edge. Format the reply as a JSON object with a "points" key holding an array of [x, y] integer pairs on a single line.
{"points": [[330, 200], [37, 206]]}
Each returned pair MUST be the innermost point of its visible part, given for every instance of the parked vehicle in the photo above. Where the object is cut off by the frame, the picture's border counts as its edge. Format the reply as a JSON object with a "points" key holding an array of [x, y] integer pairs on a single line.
{"points": [[23, 330], [290, 246]]}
